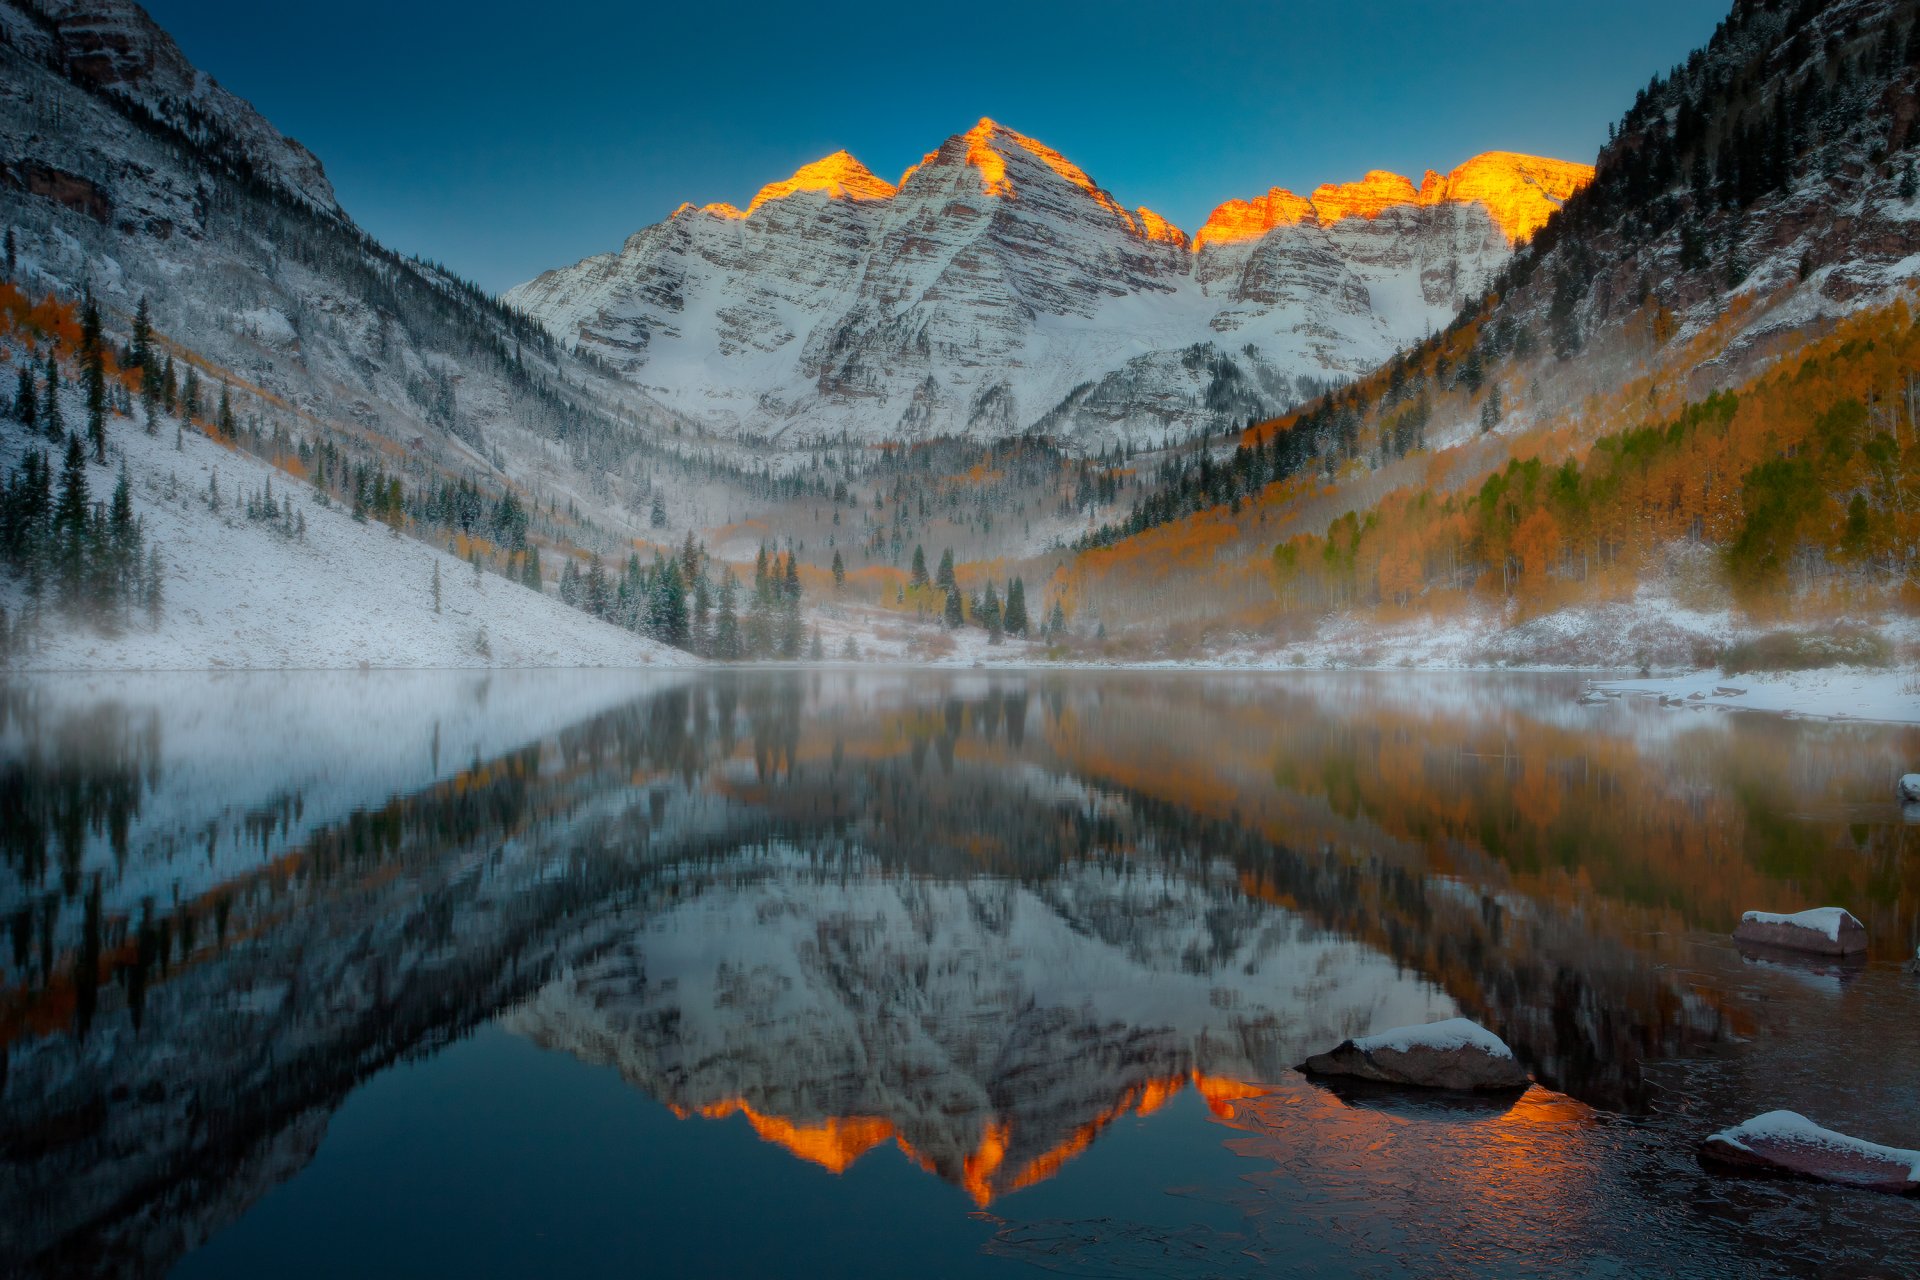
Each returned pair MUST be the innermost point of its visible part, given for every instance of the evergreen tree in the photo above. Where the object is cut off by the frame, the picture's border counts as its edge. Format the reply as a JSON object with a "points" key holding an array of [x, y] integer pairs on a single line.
{"points": [[726, 622], [690, 556], [190, 395], [702, 615], [55, 428], [919, 578], [26, 405], [945, 579], [1016, 614], [840, 571], [669, 604], [89, 325], [816, 651], [169, 388], [436, 586], [530, 569], [225, 419], [1057, 621], [989, 616], [71, 518], [955, 614], [154, 590], [123, 540], [141, 349], [96, 381], [599, 593], [793, 579]]}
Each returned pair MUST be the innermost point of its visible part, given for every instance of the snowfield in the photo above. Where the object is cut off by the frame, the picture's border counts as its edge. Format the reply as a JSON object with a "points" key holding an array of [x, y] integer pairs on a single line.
{"points": [[1840, 693], [240, 594]]}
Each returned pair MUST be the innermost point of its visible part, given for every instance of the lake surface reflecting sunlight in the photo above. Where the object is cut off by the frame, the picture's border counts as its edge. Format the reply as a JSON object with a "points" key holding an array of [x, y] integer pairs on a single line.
{"points": [[885, 973]]}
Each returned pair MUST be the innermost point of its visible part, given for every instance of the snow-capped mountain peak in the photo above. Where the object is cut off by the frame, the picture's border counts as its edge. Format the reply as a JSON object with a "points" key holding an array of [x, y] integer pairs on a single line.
{"points": [[998, 288]]}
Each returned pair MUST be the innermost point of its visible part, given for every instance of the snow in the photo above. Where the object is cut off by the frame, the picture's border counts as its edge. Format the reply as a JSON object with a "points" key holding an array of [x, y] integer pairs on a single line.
{"points": [[1453, 1033], [1854, 693], [1824, 920], [240, 594], [1910, 786], [1791, 1126]]}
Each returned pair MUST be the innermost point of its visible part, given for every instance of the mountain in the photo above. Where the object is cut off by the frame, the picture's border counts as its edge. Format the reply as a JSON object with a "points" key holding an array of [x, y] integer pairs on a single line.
{"points": [[1681, 417], [997, 289], [134, 187]]}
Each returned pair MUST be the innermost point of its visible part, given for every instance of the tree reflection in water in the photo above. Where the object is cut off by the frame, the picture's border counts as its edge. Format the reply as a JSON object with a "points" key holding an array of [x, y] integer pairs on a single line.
{"points": [[977, 917]]}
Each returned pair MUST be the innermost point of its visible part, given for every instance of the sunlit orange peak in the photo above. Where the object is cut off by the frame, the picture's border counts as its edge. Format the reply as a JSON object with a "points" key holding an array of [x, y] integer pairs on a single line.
{"points": [[833, 1143], [1155, 227], [839, 175], [985, 142], [1519, 193]]}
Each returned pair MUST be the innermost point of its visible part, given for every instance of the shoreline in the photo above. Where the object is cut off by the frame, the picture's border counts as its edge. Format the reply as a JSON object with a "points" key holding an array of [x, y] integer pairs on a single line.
{"points": [[1859, 694]]}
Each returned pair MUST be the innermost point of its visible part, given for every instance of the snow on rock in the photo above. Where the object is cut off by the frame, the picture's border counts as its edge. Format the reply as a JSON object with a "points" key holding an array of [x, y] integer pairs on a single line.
{"points": [[1788, 1142], [1453, 1054], [998, 287], [1829, 931], [1453, 1033], [1910, 786], [241, 593]]}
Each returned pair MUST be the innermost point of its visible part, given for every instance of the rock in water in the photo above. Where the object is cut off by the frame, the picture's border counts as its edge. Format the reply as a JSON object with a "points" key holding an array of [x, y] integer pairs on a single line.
{"points": [[1826, 931], [1787, 1142], [1910, 786], [1455, 1054]]}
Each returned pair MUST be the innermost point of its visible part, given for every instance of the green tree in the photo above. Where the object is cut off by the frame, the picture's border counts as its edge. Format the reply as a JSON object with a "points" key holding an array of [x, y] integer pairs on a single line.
{"points": [[726, 621], [945, 579], [55, 427], [95, 374], [919, 578], [840, 571], [955, 614], [1017, 621], [990, 616], [71, 520], [669, 604], [26, 404]]}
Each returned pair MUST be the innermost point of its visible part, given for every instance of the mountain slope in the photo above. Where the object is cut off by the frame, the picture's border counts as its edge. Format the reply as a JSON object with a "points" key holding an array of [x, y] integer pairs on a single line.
{"points": [[997, 288], [1561, 473], [130, 178]]}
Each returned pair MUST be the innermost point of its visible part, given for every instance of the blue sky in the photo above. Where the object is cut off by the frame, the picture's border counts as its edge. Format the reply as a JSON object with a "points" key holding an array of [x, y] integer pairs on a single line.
{"points": [[504, 139]]}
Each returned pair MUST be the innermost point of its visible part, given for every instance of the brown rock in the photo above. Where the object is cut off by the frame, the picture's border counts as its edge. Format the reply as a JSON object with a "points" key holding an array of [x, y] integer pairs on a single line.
{"points": [[1456, 1054], [1825, 931], [1789, 1144]]}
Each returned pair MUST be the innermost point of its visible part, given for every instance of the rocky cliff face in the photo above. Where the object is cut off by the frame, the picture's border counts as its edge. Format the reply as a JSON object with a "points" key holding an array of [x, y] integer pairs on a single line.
{"points": [[112, 46], [997, 288]]}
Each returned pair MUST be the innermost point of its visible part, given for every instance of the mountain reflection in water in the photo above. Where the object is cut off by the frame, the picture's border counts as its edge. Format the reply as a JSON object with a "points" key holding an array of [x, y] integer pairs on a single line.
{"points": [[979, 920]]}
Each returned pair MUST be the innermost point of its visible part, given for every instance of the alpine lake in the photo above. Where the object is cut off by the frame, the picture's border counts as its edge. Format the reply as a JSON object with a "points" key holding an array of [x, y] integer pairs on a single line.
{"points": [[857, 971]]}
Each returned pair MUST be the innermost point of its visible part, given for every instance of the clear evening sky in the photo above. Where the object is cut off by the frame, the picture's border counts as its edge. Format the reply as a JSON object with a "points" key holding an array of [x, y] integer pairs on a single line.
{"points": [[503, 139]]}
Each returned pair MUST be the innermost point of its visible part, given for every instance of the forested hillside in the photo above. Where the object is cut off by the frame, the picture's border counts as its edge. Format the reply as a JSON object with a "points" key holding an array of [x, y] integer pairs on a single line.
{"points": [[1693, 391]]}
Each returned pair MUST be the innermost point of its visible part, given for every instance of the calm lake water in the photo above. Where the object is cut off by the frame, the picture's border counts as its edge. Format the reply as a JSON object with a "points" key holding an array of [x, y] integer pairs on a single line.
{"points": [[876, 973]]}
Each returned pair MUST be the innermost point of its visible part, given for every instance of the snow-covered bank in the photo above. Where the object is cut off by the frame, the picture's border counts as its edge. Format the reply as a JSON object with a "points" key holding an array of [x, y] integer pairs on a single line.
{"points": [[1852, 693], [242, 593]]}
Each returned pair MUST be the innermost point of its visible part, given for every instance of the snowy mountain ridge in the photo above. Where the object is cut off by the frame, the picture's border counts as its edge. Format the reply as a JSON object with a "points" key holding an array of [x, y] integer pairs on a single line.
{"points": [[996, 288]]}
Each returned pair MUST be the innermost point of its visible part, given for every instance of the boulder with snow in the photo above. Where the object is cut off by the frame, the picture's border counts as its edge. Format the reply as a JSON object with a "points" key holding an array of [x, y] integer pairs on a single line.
{"points": [[1910, 786], [1455, 1054], [1826, 931], [1786, 1142]]}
